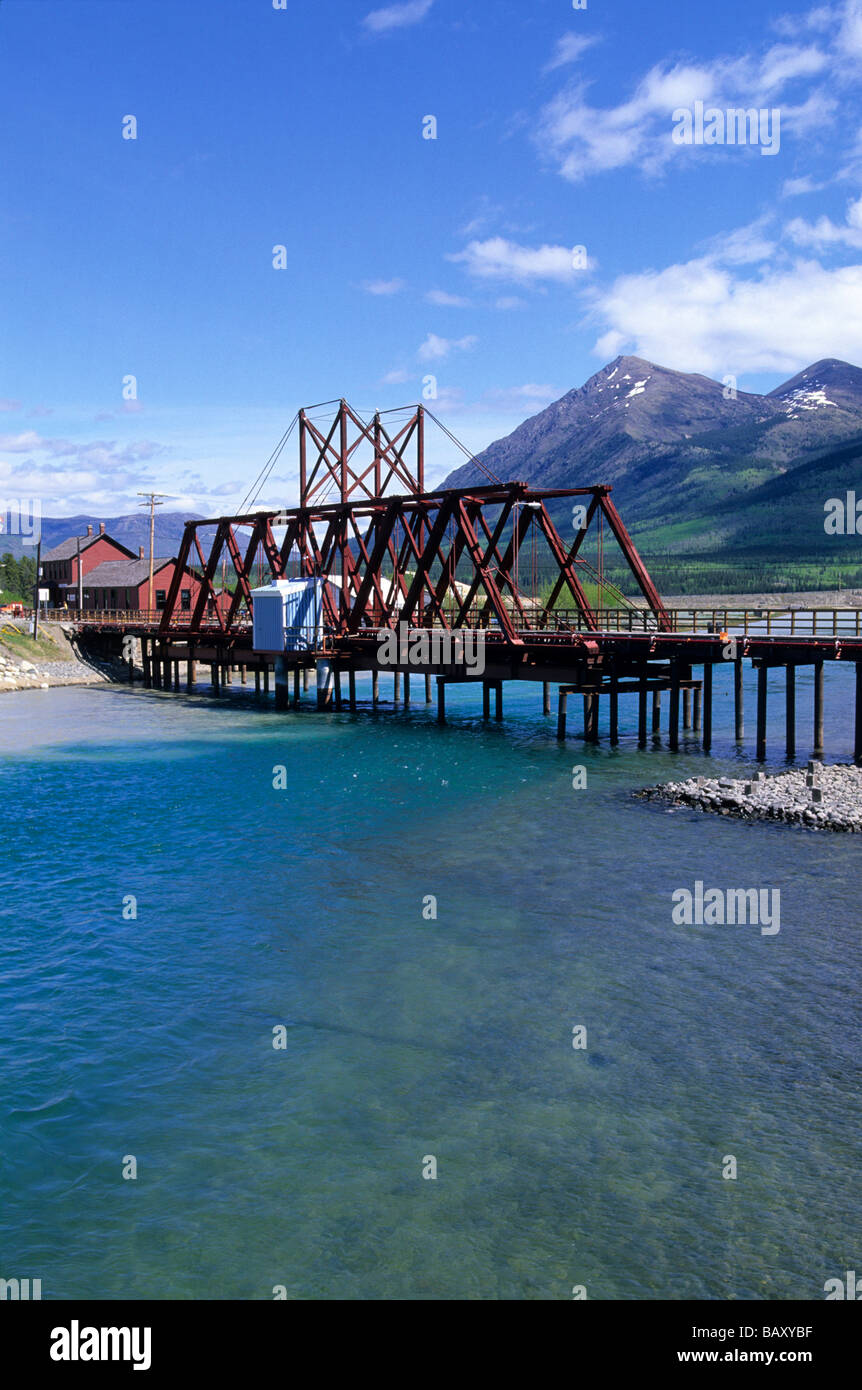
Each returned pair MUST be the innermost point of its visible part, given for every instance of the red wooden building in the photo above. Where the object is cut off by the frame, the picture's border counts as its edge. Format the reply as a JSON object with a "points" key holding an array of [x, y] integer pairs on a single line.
{"points": [[60, 565], [123, 585]]}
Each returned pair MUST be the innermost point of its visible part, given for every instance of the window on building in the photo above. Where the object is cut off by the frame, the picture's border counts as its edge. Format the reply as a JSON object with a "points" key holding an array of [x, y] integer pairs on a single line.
{"points": [[185, 599], [161, 597]]}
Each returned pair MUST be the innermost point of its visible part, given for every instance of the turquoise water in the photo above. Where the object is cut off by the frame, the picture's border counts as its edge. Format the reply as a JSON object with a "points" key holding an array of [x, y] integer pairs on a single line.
{"points": [[409, 1037]]}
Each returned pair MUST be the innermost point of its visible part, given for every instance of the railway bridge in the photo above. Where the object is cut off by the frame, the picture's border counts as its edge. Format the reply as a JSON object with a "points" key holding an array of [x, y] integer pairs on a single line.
{"points": [[405, 580]]}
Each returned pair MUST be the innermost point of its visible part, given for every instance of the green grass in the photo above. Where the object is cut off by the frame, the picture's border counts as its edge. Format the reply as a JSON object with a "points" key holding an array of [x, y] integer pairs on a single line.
{"points": [[22, 646]]}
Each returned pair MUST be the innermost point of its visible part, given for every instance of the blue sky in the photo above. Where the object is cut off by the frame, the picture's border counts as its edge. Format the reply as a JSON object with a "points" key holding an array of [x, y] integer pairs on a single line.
{"points": [[405, 257]]}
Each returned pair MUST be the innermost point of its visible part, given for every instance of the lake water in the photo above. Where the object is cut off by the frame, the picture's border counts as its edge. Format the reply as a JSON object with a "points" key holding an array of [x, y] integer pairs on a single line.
{"points": [[408, 1037]]}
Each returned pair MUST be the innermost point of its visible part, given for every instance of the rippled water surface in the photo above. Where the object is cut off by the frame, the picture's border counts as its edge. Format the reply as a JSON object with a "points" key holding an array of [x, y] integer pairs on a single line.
{"points": [[408, 1037]]}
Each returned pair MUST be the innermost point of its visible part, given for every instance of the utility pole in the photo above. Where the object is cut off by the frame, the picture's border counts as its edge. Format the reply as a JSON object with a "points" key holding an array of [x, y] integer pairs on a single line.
{"points": [[38, 578], [154, 499]]}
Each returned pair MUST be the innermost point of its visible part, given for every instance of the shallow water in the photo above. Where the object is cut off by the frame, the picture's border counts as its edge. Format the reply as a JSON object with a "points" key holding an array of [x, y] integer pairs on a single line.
{"points": [[408, 1037]]}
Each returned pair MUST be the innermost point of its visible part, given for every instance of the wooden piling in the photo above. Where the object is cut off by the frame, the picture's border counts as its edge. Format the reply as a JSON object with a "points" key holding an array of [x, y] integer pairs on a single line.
{"points": [[486, 700], [498, 700], [707, 707], [642, 708], [562, 703], [738, 706], [615, 710], [336, 675], [428, 696], [441, 700], [396, 688], [686, 709], [790, 710], [656, 712], [818, 707], [858, 740], [673, 714], [297, 680], [762, 675], [406, 690], [698, 697], [546, 697], [257, 680], [146, 663], [375, 688], [351, 682], [266, 679], [588, 718]]}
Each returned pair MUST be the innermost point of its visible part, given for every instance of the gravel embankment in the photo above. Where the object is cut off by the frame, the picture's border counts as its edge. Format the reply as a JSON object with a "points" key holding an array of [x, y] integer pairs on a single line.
{"points": [[821, 798], [18, 673]]}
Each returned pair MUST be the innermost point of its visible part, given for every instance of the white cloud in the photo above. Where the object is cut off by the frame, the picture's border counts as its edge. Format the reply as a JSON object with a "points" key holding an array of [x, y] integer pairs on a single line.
{"points": [[434, 349], [499, 259], [396, 377], [383, 287], [569, 49], [510, 301], [397, 16], [703, 316], [825, 233], [792, 188], [11, 406], [583, 139], [452, 301]]}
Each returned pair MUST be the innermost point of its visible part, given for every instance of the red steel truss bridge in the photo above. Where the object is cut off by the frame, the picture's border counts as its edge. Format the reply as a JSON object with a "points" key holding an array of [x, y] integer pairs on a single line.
{"points": [[491, 558]]}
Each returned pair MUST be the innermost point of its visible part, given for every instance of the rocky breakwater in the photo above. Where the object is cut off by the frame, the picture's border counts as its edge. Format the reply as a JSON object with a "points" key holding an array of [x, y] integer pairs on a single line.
{"points": [[819, 797]]}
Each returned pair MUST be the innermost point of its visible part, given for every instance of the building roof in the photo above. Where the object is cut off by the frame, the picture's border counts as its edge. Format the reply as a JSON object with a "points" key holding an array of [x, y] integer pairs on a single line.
{"points": [[122, 574], [69, 547]]}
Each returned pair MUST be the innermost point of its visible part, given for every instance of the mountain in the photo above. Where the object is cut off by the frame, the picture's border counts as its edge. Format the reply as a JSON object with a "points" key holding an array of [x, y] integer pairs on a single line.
{"points": [[697, 470], [131, 531]]}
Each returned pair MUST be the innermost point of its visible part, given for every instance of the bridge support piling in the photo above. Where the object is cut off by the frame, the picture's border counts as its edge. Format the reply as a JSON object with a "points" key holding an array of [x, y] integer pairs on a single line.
{"points": [[243, 674], [306, 678], [591, 718], [498, 700], [656, 713], [266, 679], [441, 700], [673, 714], [562, 705], [257, 680], [738, 702], [176, 675], [707, 707], [396, 688], [214, 677], [428, 690], [336, 680], [698, 696], [351, 685], [762, 674], [324, 684], [146, 663], [857, 753], [375, 688], [546, 697], [615, 710], [297, 681], [486, 700], [406, 690], [686, 709], [282, 687], [642, 708], [818, 707], [790, 711]]}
